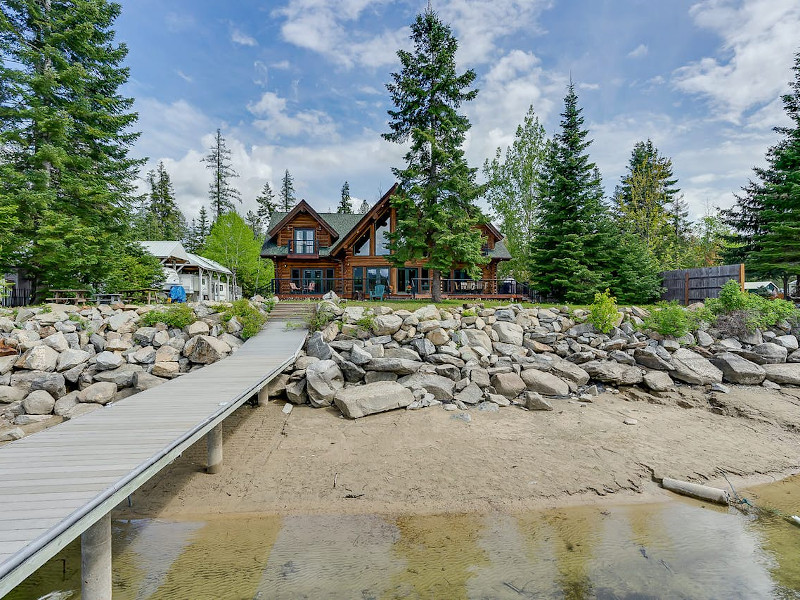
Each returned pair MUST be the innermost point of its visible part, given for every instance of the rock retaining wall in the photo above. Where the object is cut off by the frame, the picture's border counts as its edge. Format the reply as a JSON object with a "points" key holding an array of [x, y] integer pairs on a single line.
{"points": [[63, 361], [376, 359]]}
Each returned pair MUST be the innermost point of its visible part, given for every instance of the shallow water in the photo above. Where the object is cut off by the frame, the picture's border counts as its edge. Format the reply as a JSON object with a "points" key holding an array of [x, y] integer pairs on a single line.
{"points": [[679, 549]]}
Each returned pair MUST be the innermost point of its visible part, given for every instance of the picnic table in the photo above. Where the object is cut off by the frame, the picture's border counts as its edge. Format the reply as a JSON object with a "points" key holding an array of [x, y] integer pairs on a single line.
{"points": [[146, 295], [69, 296], [108, 298]]}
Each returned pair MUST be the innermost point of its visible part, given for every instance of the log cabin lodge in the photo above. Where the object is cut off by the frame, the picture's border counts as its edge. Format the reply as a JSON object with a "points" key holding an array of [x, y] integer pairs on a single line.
{"points": [[315, 253]]}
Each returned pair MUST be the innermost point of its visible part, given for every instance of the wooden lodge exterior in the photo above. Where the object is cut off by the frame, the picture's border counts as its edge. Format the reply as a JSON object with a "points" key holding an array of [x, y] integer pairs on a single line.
{"points": [[346, 253]]}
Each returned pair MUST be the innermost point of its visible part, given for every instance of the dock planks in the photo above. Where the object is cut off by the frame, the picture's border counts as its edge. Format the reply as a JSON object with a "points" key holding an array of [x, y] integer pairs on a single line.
{"points": [[58, 482]]}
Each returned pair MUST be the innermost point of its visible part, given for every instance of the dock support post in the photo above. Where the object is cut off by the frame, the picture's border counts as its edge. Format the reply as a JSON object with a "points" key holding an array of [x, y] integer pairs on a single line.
{"points": [[263, 396], [214, 444], [96, 560]]}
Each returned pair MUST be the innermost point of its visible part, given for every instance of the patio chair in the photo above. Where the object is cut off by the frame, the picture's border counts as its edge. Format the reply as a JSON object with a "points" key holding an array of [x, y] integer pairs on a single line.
{"points": [[293, 287], [312, 285], [378, 293]]}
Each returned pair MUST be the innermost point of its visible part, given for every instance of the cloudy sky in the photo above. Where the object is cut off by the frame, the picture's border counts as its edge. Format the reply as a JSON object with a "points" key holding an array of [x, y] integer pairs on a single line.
{"points": [[300, 85]]}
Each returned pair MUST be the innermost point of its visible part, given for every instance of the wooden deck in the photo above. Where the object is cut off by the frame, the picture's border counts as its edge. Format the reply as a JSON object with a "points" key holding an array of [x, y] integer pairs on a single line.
{"points": [[56, 483]]}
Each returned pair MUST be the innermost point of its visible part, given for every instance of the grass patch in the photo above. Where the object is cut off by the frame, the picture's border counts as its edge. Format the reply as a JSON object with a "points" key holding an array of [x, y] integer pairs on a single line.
{"points": [[176, 315]]}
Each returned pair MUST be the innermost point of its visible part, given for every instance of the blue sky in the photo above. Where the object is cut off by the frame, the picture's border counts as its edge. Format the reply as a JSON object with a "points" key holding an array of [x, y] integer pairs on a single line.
{"points": [[299, 85]]}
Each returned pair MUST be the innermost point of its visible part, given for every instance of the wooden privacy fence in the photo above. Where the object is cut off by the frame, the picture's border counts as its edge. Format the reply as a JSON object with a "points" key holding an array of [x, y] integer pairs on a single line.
{"points": [[695, 285]]}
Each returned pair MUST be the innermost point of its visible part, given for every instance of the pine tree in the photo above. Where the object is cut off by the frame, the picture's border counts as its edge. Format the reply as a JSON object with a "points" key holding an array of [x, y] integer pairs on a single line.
{"points": [[777, 252], [189, 240], [253, 222], [345, 204], [168, 219], [287, 197], [266, 206], [364, 208], [201, 230], [65, 137], [569, 254], [221, 192], [436, 213], [515, 182]]}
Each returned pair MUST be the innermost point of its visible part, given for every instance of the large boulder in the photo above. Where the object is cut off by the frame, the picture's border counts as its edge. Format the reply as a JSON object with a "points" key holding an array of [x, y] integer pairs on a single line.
{"points": [[359, 356], [476, 337], [570, 372], [69, 359], [508, 333], [145, 356], [787, 341], [613, 372], [658, 381], [323, 380], [168, 369], [101, 392], [386, 324], [438, 336], [198, 328], [317, 346], [31, 381], [359, 401], [422, 346], [122, 377], [39, 358], [788, 373], [509, 385], [737, 369], [7, 363], [205, 349], [427, 313], [144, 381], [38, 402], [10, 394], [118, 321], [144, 335], [401, 366], [471, 394], [167, 353], [770, 353], [693, 368], [108, 360], [650, 358], [544, 383], [56, 341], [296, 391], [441, 387]]}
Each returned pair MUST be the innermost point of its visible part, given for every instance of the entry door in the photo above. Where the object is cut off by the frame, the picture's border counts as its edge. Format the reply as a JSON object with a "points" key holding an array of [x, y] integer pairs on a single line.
{"points": [[312, 280], [407, 280]]}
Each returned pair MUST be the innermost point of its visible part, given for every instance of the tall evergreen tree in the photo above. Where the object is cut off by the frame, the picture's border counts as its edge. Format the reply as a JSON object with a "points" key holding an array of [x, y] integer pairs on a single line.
{"points": [[345, 204], [65, 136], [435, 203], [221, 191], [253, 222], [287, 197], [201, 230], [515, 182], [266, 205], [569, 254], [364, 208], [777, 197], [169, 220]]}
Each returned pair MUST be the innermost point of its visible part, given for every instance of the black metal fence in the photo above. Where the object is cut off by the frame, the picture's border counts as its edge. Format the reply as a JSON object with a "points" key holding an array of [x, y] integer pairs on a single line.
{"points": [[16, 296], [695, 285]]}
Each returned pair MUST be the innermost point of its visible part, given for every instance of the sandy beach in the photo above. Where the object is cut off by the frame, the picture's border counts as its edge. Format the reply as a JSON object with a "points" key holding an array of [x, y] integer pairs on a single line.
{"points": [[313, 461]]}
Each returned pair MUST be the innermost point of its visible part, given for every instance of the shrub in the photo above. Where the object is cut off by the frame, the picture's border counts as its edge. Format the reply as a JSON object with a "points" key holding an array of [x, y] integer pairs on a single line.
{"points": [[470, 312], [603, 312], [318, 320], [177, 315], [249, 316], [737, 312], [669, 318], [366, 322]]}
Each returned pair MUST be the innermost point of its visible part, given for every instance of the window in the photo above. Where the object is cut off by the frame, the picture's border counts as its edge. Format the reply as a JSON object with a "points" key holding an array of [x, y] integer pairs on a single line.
{"points": [[425, 281], [382, 237], [377, 276], [362, 245], [461, 274], [358, 279], [304, 241]]}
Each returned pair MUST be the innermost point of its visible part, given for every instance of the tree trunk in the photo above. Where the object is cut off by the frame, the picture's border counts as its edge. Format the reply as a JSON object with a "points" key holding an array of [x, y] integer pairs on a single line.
{"points": [[436, 286], [785, 279]]}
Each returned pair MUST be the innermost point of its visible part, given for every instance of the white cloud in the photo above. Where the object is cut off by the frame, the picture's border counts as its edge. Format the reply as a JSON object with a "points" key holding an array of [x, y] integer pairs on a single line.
{"points": [[638, 52], [282, 65], [276, 120], [589, 86], [759, 38], [184, 76], [241, 38]]}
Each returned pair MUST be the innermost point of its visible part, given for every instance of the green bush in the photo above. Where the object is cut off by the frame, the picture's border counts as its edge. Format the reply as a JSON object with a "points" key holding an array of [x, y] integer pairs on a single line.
{"points": [[318, 320], [736, 310], [603, 312], [176, 315], [249, 316], [366, 322], [670, 318]]}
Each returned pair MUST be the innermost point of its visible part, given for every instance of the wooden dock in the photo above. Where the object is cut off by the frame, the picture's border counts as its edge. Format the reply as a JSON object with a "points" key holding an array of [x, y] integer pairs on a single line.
{"points": [[56, 484]]}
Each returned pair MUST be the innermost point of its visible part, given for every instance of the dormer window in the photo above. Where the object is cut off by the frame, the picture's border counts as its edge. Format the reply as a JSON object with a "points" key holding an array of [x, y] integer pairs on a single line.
{"points": [[304, 242]]}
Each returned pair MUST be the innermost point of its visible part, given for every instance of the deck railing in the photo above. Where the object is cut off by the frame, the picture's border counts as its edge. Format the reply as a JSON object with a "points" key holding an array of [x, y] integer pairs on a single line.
{"points": [[359, 288]]}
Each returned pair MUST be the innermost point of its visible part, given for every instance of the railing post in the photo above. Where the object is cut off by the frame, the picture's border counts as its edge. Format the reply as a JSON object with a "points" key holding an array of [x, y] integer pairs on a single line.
{"points": [[214, 447], [96, 560], [263, 396]]}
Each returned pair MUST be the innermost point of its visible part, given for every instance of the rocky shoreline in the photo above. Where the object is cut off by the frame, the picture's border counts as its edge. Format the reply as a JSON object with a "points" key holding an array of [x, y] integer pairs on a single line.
{"points": [[369, 360], [58, 362]]}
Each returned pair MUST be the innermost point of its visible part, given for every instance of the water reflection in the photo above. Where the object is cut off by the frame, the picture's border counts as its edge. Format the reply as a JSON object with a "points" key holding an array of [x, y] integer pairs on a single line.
{"points": [[680, 549]]}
